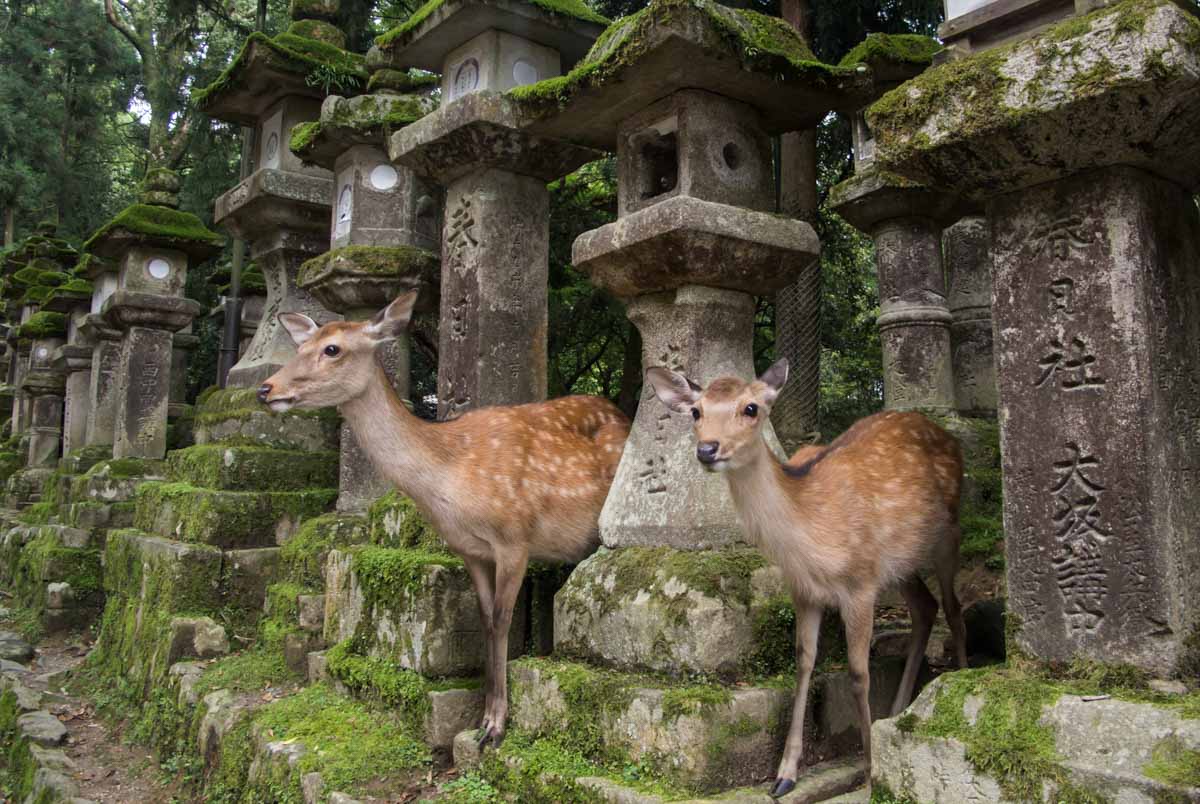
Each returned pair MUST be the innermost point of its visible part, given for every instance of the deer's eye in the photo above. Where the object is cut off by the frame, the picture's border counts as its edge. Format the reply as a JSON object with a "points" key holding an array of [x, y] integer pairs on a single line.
{"points": [[332, 350], [696, 414], [751, 410]]}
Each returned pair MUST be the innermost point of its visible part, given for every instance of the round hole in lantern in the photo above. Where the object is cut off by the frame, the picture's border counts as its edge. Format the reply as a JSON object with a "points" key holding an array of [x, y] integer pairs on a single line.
{"points": [[158, 268], [732, 155], [524, 73], [384, 177], [42, 353]]}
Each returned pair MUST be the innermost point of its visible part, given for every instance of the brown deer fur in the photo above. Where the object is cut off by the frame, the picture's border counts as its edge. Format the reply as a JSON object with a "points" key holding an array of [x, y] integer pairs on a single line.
{"points": [[843, 522], [501, 485]]}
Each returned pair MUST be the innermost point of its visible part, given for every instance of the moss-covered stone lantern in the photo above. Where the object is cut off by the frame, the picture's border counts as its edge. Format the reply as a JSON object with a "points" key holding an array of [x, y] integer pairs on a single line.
{"points": [[152, 245], [383, 234], [689, 94], [73, 359], [495, 234], [282, 208], [906, 221], [106, 350], [1081, 144]]}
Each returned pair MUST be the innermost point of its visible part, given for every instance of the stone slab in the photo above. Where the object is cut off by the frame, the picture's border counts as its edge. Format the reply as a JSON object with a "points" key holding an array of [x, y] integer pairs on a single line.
{"points": [[231, 519], [689, 241], [1127, 90], [241, 468], [818, 783]]}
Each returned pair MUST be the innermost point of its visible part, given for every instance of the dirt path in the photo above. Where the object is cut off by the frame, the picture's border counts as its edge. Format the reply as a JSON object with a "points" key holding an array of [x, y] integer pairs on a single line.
{"points": [[107, 768]]}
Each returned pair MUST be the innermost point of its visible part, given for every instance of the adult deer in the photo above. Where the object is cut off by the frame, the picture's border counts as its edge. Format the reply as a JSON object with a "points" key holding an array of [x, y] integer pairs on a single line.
{"points": [[843, 522], [501, 485]]}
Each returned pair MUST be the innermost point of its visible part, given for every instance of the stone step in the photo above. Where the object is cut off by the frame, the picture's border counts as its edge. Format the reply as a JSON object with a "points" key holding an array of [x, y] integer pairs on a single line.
{"points": [[227, 518], [167, 574], [234, 415], [247, 468], [98, 517], [115, 480], [713, 736], [817, 783], [58, 575], [412, 607]]}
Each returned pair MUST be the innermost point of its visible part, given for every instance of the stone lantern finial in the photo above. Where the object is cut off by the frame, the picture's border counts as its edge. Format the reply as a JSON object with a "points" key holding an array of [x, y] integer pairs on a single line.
{"points": [[160, 188]]}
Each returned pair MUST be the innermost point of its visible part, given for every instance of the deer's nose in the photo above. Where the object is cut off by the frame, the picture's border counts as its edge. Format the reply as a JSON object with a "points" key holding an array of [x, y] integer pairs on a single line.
{"points": [[706, 451], [264, 391]]}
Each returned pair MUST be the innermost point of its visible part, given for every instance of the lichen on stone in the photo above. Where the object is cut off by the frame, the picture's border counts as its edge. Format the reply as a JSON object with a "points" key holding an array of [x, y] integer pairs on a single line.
{"points": [[376, 261], [44, 324]]}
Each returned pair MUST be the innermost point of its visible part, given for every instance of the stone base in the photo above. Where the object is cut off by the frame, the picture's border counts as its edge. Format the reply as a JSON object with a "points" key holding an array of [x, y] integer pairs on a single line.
{"points": [[1114, 750], [712, 612], [243, 468], [234, 414], [411, 607]]}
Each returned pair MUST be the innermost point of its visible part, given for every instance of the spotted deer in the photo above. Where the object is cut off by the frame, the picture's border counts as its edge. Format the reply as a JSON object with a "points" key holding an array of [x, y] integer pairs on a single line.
{"points": [[843, 522], [501, 485]]}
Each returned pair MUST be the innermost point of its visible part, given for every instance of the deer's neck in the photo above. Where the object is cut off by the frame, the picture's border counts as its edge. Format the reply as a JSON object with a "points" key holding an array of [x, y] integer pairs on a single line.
{"points": [[404, 449], [772, 507]]}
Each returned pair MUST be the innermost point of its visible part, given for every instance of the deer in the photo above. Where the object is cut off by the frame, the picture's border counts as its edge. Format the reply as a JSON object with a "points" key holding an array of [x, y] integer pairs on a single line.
{"points": [[501, 485], [843, 522]]}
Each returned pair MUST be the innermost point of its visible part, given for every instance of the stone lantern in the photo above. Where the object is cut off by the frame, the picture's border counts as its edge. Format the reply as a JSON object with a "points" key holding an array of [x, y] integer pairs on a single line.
{"points": [[383, 234], [74, 358], [44, 385], [106, 351], [152, 245], [495, 235], [690, 114], [906, 222], [1086, 162], [282, 208]]}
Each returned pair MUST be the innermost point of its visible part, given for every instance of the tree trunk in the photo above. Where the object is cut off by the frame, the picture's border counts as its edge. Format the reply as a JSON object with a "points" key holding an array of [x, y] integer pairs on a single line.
{"points": [[798, 306]]}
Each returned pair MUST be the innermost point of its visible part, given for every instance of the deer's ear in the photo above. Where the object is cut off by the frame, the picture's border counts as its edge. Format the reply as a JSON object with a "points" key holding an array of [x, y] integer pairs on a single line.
{"points": [[673, 389], [299, 326], [775, 378], [392, 321]]}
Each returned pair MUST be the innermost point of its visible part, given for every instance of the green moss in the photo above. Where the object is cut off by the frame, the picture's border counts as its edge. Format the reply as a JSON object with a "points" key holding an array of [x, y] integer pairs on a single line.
{"points": [[394, 521], [35, 295], [401, 81], [1174, 763], [287, 53], [402, 34], [388, 575], [348, 743], [760, 43], [302, 557], [896, 48], [693, 699], [369, 261], [156, 222], [252, 468], [319, 30], [75, 290], [907, 723], [44, 324], [242, 403], [303, 135], [10, 462], [127, 468], [247, 671]]}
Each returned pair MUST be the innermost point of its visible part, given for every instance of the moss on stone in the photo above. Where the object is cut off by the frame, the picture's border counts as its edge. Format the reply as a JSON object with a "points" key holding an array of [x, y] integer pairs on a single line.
{"points": [[401, 81], [693, 699], [244, 468], [387, 575], [288, 53], [1174, 763], [44, 324], [400, 35], [128, 468], [302, 557], [1008, 740], [761, 43], [394, 521], [161, 223], [303, 135], [368, 261], [242, 403], [34, 295], [912, 49], [320, 30], [75, 290]]}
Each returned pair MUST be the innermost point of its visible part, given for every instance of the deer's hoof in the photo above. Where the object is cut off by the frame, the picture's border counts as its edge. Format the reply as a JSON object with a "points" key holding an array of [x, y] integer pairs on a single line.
{"points": [[782, 787], [485, 735]]}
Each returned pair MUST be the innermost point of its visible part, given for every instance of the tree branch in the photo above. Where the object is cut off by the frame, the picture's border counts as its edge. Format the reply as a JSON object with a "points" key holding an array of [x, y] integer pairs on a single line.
{"points": [[124, 28]]}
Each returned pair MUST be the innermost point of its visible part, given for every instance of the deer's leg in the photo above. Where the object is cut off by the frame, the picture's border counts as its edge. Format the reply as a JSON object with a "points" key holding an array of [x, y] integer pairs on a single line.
{"points": [[923, 609], [483, 577], [858, 614], [510, 572], [808, 629], [947, 568]]}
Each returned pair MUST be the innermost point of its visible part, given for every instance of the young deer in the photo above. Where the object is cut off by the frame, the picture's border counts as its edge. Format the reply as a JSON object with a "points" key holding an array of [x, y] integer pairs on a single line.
{"points": [[842, 522], [502, 485]]}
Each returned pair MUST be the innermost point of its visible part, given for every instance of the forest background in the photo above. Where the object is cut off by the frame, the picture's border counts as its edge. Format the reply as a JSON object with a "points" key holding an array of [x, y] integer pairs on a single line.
{"points": [[92, 92]]}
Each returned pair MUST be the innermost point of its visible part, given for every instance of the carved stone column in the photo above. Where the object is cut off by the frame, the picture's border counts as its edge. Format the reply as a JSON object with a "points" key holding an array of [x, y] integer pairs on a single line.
{"points": [[969, 273]]}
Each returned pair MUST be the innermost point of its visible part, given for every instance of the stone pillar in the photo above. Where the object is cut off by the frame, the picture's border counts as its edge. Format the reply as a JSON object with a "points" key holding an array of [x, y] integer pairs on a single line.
{"points": [[144, 371], [969, 274], [495, 257], [44, 386], [102, 398], [382, 234], [75, 359], [495, 234], [905, 220], [282, 209], [1096, 298], [182, 345]]}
